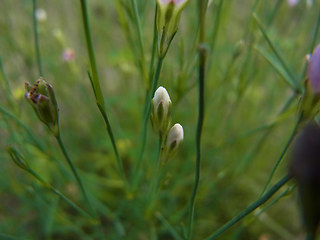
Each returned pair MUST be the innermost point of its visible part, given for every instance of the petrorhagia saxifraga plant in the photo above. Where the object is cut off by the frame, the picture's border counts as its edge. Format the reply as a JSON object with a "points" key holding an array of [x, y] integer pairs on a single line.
{"points": [[310, 103], [305, 169], [161, 112], [43, 101], [168, 17]]}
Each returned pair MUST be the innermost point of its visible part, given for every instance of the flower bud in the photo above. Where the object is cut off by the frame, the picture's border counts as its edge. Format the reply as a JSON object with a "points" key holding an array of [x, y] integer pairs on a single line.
{"points": [[17, 158], [161, 111], [43, 101], [305, 169], [168, 16], [174, 140], [314, 71], [310, 104]]}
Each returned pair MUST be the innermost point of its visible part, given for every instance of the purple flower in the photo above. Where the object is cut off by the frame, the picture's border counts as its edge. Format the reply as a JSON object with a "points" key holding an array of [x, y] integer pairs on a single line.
{"points": [[305, 169], [314, 71], [68, 55], [292, 3]]}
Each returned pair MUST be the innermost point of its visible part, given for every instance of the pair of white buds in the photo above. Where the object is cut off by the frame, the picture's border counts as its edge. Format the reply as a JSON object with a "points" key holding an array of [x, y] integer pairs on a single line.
{"points": [[161, 119]]}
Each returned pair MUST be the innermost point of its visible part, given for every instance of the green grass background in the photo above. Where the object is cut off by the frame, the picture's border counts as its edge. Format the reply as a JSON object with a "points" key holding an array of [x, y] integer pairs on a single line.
{"points": [[243, 92]]}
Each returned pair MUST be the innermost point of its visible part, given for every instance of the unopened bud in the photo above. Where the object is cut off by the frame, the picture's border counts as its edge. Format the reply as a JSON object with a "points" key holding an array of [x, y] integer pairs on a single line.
{"points": [[314, 71], [168, 16], [174, 140], [17, 158], [43, 101], [161, 111], [305, 169], [310, 104]]}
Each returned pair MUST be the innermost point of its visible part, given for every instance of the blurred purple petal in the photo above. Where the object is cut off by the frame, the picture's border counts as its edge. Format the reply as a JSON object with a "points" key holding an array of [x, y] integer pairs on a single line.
{"points": [[314, 71], [292, 3], [68, 55]]}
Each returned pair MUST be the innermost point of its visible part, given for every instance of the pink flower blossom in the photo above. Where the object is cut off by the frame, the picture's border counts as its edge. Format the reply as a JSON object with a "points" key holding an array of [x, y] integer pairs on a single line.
{"points": [[292, 3], [68, 55]]}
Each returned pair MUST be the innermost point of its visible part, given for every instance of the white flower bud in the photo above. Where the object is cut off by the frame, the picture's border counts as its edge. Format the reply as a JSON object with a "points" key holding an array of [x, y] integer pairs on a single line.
{"points": [[161, 111], [161, 96], [168, 17], [174, 140]]}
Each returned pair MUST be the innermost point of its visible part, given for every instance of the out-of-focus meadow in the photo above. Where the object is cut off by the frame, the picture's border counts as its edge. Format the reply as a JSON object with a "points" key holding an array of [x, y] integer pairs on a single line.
{"points": [[252, 87]]}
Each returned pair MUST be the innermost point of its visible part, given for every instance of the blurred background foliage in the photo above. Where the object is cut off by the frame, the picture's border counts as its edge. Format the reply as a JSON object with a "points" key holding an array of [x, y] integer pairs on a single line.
{"points": [[243, 134]]}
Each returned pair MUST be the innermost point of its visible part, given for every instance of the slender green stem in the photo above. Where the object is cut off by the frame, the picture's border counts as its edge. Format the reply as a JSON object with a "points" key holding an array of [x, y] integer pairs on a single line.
{"points": [[274, 201], [250, 208], [119, 162], [136, 170], [284, 150], [74, 171], [95, 76], [7, 85], [25, 127], [276, 7], [202, 70], [168, 226], [156, 176], [36, 38], [58, 193], [276, 52], [96, 87], [260, 142], [140, 40], [153, 55], [154, 47], [216, 26]]}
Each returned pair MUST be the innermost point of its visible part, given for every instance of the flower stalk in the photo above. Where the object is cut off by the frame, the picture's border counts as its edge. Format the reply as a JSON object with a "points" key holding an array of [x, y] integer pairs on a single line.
{"points": [[42, 99], [167, 18], [202, 52], [19, 160], [97, 89]]}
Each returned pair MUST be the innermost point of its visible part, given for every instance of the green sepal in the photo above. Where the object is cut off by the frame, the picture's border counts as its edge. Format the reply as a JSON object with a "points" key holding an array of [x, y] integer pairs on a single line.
{"points": [[17, 158]]}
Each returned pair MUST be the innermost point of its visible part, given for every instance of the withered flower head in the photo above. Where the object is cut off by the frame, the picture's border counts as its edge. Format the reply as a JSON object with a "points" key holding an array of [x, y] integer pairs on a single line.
{"points": [[43, 101]]}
